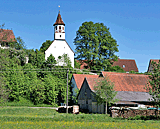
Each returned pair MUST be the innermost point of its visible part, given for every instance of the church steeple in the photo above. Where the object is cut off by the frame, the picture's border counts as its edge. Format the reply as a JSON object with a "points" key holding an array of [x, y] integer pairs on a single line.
{"points": [[59, 28], [59, 20]]}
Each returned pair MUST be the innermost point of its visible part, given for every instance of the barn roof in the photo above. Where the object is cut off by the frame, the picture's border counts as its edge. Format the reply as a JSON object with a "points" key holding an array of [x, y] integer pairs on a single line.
{"points": [[123, 81], [79, 78], [6, 35]]}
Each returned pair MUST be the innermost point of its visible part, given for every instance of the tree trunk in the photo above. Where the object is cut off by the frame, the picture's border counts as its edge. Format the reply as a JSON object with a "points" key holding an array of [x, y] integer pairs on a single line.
{"points": [[106, 108]]}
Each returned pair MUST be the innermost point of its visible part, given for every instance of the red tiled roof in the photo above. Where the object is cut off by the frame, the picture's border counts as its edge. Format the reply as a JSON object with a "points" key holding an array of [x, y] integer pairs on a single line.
{"points": [[126, 65], [155, 60], [123, 81], [79, 78], [6, 35], [59, 20]]}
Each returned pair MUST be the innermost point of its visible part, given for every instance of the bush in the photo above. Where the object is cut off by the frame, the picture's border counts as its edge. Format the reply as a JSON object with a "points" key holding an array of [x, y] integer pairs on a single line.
{"points": [[138, 117]]}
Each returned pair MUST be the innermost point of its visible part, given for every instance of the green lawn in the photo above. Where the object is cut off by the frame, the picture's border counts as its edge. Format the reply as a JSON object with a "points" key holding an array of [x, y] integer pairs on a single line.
{"points": [[24, 117]]}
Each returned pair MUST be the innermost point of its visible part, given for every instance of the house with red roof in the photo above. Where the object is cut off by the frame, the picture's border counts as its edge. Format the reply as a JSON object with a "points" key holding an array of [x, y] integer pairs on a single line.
{"points": [[130, 91], [126, 64], [150, 68], [6, 36], [77, 80]]}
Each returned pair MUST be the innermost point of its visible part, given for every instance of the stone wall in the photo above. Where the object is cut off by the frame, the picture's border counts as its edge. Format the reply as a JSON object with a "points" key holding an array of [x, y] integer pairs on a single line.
{"points": [[124, 113]]}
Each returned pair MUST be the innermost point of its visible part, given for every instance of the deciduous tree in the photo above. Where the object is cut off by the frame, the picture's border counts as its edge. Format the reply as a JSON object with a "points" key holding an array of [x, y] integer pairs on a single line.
{"points": [[45, 45], [104, 90], [95, 44], [154, 83]]}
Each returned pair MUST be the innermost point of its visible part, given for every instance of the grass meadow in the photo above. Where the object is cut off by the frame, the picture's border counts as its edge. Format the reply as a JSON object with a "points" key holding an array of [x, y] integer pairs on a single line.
{"points": [[41, 118]]}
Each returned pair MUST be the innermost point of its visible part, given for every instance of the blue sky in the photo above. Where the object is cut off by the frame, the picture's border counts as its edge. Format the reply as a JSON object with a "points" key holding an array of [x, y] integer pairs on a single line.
{"points": [[135, 24]]}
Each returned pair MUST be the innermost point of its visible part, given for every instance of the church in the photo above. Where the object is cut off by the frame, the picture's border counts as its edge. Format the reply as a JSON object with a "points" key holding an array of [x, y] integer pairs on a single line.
{"points": [[59, 46]]}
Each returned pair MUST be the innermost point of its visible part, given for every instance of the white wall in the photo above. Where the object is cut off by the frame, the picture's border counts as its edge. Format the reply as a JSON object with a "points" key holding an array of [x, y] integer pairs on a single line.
{"points": [[58, 48]]}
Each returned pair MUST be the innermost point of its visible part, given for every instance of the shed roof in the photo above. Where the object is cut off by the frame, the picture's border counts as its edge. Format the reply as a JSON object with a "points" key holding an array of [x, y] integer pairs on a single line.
{"points": [[133, 96]]}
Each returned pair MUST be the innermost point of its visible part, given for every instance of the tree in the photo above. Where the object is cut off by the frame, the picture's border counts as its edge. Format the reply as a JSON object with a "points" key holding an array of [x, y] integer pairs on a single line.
{"points": [[51, 89], [77, 64], [36, 58], [51, 61], [95, 45], [104, 90], [116, 69], [154, 83], [65, 60], [45, 45], [19, 44]]}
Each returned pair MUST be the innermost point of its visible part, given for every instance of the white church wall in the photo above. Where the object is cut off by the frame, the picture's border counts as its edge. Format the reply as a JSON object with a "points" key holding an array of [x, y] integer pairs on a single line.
{"points": [[58, 48]]}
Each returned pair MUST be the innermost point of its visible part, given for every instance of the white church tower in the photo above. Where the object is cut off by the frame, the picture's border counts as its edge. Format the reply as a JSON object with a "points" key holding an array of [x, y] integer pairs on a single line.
{"points": [[59, 46]]}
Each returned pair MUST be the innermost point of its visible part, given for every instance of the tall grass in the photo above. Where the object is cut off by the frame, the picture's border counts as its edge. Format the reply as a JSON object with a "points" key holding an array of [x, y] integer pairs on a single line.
{"points": [[24, 117]]}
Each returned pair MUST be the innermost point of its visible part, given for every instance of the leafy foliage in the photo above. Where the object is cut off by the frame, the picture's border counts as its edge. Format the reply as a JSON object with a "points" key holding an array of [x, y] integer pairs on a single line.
{"points": [[95, 45], [104, 90], [154, 83], [116, 69], [35, 81], [65, 60], [45, 45], [76, 64]]}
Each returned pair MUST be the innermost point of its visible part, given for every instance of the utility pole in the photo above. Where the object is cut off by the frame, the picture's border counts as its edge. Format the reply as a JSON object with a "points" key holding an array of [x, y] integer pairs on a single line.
{"points": [[67, 92]]}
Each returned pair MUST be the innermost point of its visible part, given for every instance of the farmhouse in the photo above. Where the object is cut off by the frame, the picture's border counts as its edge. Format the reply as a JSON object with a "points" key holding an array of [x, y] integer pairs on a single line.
{"points": [[6, 36], [77, 80], [129, 87], [126, 64], [59, 46]]}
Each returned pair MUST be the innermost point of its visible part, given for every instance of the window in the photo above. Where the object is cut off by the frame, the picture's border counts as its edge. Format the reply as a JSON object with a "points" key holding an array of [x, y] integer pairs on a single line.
{"points": [[60, 35], [59, 27], [124, 66], [63, 28], [56, 27]]}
